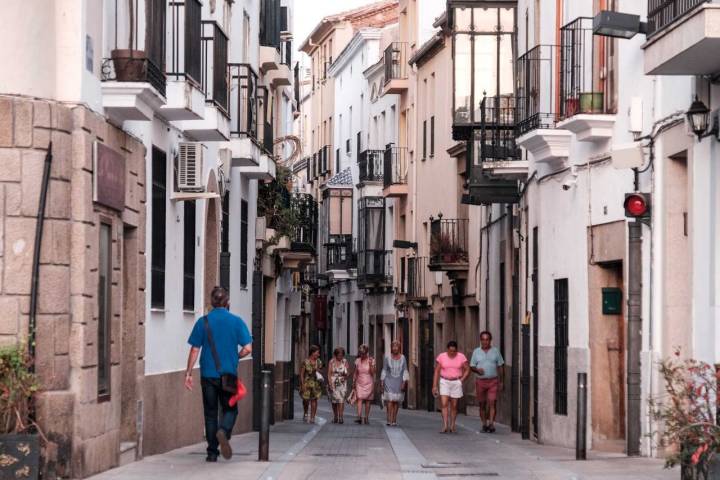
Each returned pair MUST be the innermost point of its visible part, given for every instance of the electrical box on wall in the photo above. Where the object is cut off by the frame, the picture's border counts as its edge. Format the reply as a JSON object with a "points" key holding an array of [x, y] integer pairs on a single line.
{"points": [[611, 301]]}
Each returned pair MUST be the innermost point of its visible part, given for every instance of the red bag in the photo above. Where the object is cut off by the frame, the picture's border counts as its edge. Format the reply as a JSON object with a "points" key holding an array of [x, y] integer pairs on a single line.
{"points": [[241, 392]]}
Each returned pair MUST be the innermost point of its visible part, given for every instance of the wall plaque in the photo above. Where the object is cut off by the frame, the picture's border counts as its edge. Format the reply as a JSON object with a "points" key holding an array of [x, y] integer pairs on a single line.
{"points": [[109, 177]]}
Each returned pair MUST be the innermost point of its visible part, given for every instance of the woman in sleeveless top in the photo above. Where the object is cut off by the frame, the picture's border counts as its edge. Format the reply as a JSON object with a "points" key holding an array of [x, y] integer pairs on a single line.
{"points": [[394, 378], [364, 380], [338, 372], [310, 387]]}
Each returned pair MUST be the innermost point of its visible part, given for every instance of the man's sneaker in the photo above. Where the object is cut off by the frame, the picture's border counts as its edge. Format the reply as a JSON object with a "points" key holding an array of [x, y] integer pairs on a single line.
{"points": [[225, 448], [211, 458]]}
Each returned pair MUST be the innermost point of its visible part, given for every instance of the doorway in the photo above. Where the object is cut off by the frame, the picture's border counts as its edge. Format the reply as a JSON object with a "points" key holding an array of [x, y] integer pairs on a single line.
{"points": [[607, 356]]}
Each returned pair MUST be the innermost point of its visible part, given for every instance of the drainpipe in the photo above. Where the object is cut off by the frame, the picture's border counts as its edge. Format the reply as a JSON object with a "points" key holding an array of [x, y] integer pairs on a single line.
{"points": [[634, 337], [36, 256]]}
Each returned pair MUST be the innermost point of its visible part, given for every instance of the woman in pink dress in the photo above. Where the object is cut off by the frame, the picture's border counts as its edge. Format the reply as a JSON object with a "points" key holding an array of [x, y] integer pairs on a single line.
{"points": [[364, 381], [451, 370]]}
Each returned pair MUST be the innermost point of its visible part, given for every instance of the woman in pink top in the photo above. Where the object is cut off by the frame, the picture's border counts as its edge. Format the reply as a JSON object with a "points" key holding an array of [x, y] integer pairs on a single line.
{"points": [[364, 382], [451, 370]]}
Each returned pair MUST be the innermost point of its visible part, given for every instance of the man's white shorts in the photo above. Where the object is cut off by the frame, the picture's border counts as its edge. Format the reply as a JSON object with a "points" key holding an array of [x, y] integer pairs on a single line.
{"points": [[451, 388]]}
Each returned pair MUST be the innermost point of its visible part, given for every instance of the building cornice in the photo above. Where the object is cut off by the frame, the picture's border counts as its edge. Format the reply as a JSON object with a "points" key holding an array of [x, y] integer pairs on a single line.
{"points": [[353, 47]]}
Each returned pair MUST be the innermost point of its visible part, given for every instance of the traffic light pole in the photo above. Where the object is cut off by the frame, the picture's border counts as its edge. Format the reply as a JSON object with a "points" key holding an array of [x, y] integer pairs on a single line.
{"points": [[634, 337]]}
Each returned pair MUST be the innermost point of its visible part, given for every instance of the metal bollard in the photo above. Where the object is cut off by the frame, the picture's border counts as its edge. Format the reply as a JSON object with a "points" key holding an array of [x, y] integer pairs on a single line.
{"points": [[264, 438], [581, 438]]}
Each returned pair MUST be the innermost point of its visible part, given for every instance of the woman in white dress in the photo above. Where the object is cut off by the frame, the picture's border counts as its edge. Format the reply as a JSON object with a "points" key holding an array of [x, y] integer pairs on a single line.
{"points": [[338, 372], [394, 378]]}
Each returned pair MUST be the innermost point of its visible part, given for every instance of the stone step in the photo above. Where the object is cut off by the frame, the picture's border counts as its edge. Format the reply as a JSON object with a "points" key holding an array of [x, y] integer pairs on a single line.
{"points": [[128, 452]]}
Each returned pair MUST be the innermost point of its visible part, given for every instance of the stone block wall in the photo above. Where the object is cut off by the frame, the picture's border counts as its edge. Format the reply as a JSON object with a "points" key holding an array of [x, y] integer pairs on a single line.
{"points": [[85, 432]]}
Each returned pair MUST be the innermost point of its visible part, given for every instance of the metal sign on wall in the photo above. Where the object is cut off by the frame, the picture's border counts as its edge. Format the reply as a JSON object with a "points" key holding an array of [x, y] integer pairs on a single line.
{"points": [[108, 177]]}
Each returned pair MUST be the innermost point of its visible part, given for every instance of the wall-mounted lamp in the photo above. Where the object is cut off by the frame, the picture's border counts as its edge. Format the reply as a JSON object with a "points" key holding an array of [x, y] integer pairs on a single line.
{"points": [[699, 117], [618, 25]]}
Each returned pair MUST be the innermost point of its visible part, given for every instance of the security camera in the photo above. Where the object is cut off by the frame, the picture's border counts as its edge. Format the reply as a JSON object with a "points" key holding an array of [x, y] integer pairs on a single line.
{"points": [[569, 183]]}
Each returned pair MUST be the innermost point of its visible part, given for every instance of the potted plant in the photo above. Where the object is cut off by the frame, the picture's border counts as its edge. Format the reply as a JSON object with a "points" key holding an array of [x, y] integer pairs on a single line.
{"points": [[274, 203], [19, 445], [129, 63], [687, 417]]}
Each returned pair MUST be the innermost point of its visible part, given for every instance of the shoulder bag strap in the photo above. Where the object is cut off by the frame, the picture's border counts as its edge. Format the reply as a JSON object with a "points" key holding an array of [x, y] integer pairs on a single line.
{"points": [[215, 355]]}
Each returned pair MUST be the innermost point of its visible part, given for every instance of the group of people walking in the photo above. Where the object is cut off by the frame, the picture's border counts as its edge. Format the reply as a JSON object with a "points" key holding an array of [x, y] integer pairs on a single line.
{"points": [[451, 370], [393, 383]]}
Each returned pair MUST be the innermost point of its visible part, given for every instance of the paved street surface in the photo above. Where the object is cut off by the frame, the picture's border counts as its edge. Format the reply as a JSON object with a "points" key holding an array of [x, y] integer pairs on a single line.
{"points": [[413, 451]]}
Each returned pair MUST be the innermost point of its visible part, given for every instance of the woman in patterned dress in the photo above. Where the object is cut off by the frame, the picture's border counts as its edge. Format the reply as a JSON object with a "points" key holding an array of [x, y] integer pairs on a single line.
{"points": [[394, 378], [338, 371], [364, 380], [310, 387]]}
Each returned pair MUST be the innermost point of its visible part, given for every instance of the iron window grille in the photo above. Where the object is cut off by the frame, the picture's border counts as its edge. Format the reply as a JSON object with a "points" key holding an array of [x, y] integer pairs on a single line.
{"points": [[188, 294], [214, 80], [158, 234], [370, 164], [448, 241], [243, 100], [536, 89], [395, 166], [663, 13], [561, 346], [396, 61], [244, 242]]}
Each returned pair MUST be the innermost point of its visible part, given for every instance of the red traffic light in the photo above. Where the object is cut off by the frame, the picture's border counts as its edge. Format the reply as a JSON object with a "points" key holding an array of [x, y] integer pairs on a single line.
{"points": [[637, 205]]}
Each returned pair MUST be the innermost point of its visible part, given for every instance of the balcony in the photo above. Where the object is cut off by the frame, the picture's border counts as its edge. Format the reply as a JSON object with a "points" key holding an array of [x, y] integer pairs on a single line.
{"points": [[416, 270], [133, 78], [448, 245], [395, 168], [339, 257], [265, 170], [537, 107], [185, 99], [396, 68], [304, 238], [370, 163], [374, 268], [244, 147], [683, 38], [215, 125], [588, 82], [269, 59], [495, 162]]}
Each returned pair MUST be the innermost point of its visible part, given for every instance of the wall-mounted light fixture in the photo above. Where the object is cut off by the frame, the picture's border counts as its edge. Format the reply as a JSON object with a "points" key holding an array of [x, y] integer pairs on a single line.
{"points": [[700, 119], [618, 25]]}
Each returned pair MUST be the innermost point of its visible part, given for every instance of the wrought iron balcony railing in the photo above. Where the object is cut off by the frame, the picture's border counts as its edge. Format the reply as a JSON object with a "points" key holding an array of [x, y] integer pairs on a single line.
{"points": [[536, 102], [396, 61], [339, 253], [214, 71], [305, 210], [140, 63], [448, 243], [395, 166], [586, 70], [374, 267], [243, 100], [663, 13], [184, 48], [370, 163]]}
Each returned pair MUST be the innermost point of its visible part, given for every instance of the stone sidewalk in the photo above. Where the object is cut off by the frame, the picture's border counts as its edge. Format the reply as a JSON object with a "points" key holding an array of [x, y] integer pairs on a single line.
{"points": [[413, 451]]}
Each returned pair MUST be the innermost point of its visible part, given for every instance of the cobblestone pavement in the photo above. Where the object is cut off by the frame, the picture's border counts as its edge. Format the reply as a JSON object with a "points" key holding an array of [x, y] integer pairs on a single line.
{"points": [[413, 451]]}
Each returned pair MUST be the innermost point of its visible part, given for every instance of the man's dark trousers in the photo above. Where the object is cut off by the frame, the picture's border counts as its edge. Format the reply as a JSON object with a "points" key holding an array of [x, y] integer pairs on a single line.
{"points": [[215, 401]]}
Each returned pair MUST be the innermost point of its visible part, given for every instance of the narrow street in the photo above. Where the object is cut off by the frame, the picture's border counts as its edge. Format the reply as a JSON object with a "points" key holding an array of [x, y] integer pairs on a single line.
{"points": [[415, 450]]}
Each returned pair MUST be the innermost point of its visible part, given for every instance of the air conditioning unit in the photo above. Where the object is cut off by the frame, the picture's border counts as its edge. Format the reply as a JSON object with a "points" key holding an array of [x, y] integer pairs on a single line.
{"points": [[190, 167]]}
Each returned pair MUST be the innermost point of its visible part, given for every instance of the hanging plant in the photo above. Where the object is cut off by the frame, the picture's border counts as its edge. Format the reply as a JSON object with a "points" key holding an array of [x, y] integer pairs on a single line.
{"points": [[274, 203]]}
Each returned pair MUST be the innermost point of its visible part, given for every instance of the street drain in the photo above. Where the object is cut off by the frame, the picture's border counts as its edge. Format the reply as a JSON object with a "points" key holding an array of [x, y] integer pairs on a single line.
{"points": [[468, 474], [336, 455]]}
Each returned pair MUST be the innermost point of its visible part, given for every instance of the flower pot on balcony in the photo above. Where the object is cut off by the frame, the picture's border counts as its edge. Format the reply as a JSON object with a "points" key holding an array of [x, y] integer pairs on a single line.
{"points": [[19, 455], [130, 65], [591, 102]]}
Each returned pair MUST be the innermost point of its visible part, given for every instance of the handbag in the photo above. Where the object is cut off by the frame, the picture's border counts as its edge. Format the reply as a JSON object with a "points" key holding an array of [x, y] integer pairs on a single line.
{"points": [[228, 381], [352, 398], [241, 392]]}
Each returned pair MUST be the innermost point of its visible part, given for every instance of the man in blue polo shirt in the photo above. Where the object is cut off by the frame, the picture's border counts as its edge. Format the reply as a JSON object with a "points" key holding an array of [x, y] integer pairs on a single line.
{"points": [[228, 333], [487, 363]]}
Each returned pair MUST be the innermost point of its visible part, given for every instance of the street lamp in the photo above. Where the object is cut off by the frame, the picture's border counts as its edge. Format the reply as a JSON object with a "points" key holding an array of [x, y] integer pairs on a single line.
{"points": [[698, 115], [618, 25]]}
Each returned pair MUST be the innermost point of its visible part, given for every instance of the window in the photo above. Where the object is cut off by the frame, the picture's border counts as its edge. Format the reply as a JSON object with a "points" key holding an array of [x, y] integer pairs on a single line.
{"points": [[561, 345], [432, 136], [347, 146], [225, 243], [402, 275], [243, 243], [424, 150], [358, 143], [104, 310], [157, 253], [189, 258], [337, 160], [246, 37]]}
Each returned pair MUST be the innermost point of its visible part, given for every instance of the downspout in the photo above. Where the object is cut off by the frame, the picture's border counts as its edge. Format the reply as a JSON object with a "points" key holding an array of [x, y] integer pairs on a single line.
{"points": [[36, 256]]}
